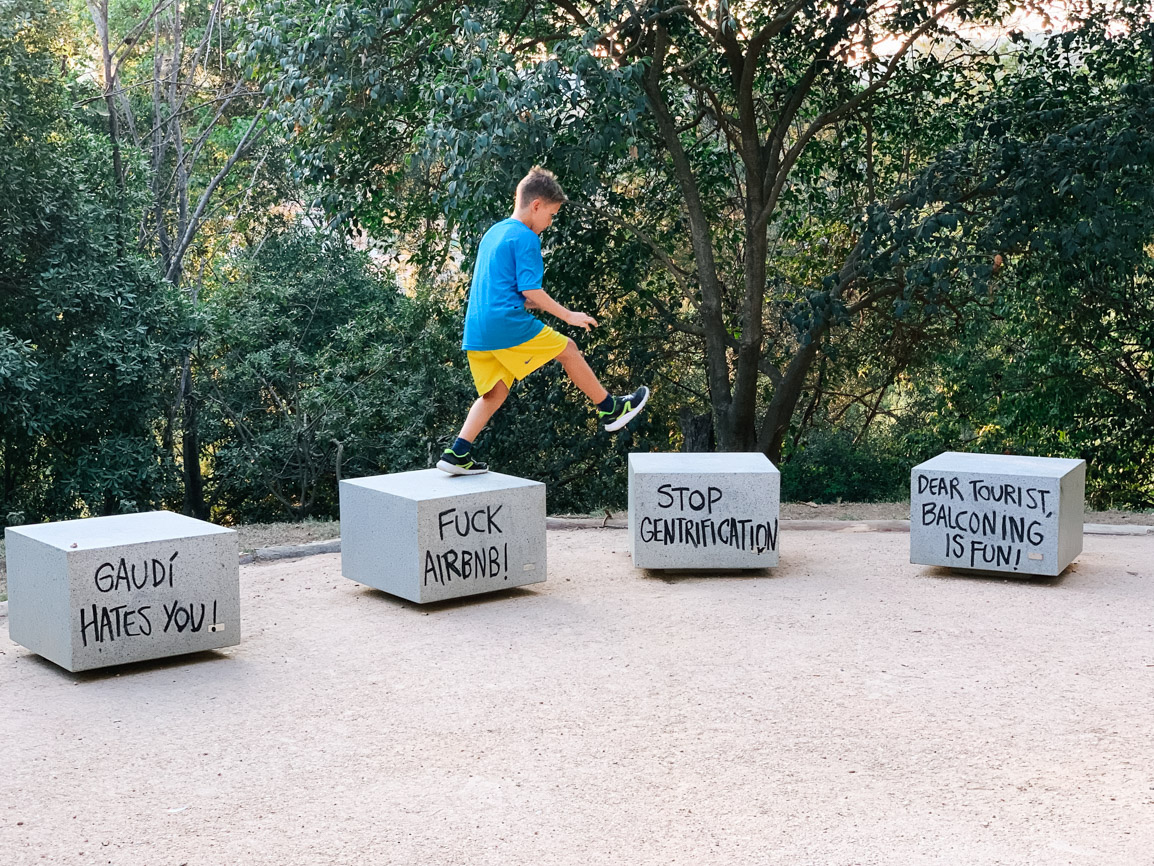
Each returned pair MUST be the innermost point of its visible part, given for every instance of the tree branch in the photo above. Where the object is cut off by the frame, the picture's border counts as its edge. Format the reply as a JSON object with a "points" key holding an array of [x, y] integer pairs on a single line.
{"points": [[132, 38], [194, 221], [846, 107], [573, 11], [678, 273], [700, 233]]}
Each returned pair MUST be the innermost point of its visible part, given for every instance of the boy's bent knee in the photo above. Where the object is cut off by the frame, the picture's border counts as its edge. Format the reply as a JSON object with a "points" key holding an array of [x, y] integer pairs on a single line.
{"points": [[498, 392], [570, 351]]}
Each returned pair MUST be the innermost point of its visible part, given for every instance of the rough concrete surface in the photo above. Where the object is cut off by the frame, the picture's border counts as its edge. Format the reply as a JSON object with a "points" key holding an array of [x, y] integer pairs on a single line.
{"points": [[844, 708], [703, 510], [124, 588], [428, 536]]}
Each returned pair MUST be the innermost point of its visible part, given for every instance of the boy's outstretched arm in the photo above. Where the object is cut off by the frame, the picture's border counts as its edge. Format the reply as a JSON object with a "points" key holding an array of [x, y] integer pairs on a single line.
{"points": [[538, 299]]}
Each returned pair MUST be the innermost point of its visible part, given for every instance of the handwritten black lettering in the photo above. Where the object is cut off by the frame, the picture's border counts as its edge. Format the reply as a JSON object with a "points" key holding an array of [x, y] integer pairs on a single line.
{"points": [[741, 533], [104, 579], [122, 575], [137, 576], [159, 580], [472, 522], [99, 623], [988, 523], [935, 486], [489, 562], [185, 617], [688, 497], [441, 524], [984, 554]]}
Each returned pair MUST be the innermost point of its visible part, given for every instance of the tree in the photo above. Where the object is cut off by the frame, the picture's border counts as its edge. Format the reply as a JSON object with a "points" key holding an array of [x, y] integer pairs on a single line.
{"points": [[698, 128], [1062, 363], [317, 367], [88, 333], [172, 96]]}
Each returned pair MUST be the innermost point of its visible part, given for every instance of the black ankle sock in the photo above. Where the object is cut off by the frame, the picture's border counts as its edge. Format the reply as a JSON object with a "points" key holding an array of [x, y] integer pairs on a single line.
{"points": [[462, 447], [606, 405]]}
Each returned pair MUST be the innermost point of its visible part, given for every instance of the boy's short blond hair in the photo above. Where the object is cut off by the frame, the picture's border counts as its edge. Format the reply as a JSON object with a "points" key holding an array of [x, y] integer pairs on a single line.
{"points": [[540, 183]]}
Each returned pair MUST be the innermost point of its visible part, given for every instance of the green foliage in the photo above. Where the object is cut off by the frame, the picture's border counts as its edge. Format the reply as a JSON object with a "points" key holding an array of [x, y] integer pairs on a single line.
{"points": [[1028, 331], [88, 334], [830, 467], [1062, 364], [960, 258], [311, 354], [313, 358], [655, 128], [887, 204]]}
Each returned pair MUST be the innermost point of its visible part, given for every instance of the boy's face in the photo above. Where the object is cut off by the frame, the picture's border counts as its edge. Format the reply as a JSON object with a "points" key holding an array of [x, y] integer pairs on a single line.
{"points": [[541, 213]]}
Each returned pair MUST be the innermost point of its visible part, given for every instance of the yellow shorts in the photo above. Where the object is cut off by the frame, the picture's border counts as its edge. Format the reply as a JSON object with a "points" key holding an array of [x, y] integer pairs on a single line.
{"points": [[517, 362]]}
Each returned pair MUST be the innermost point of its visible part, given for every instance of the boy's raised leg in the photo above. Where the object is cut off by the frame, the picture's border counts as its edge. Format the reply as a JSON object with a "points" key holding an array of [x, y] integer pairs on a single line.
{"points": [[582, 375], [613, 412]]}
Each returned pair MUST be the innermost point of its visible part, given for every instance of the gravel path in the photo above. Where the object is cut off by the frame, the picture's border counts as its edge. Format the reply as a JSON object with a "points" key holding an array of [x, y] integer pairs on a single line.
{"points": [[844, 709]]}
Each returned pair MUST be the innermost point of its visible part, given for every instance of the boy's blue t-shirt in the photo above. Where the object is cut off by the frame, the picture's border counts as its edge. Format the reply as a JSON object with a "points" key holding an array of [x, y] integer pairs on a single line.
{"points": [[508, 263]]}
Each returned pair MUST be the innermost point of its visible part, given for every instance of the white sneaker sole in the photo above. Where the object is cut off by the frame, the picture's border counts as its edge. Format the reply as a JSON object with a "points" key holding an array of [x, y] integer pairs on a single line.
{"points": [[445, 466], [630, 415]]}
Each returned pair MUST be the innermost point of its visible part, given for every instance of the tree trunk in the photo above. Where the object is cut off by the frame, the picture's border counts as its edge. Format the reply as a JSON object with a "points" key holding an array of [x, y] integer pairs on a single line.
{"points": [[778, 414], [743, 408], [709, 283], [696, 431], [194, 504]]}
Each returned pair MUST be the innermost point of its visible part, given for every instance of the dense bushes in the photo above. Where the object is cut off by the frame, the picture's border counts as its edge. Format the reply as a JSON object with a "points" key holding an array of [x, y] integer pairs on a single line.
{"points": [[829, 467], [89, 335], [315, 365]]}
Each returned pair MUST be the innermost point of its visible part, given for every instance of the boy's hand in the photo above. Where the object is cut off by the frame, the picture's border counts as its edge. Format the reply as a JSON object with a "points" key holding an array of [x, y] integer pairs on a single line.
{"points": [[581, 320], [538, 299]]}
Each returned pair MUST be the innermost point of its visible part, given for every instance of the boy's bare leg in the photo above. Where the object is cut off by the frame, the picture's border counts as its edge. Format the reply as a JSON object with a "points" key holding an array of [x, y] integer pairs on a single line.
{"points": [[483, 409], [578, 370]]}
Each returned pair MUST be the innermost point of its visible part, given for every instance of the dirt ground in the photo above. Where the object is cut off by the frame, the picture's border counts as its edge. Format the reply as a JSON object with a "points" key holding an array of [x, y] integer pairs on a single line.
{"points": [[844, 709]]}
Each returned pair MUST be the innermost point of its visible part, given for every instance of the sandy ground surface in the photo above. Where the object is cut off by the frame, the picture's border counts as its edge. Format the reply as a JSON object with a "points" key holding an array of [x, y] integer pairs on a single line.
{"points": [[844, 709]]}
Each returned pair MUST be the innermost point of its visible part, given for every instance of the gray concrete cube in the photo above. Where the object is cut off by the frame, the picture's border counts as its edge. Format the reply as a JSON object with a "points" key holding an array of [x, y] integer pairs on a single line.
{"points": [[429, 536], [703, 510], [997, 512], [110, 590]]}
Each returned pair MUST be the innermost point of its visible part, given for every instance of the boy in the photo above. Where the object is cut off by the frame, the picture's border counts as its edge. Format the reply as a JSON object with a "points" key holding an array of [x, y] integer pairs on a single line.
{"points": [[503, 341]]}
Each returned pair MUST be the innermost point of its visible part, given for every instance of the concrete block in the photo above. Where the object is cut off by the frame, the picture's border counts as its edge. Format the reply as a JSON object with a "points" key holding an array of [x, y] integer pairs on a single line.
{"points": [[703, 510], [428, 536], [110, 590], [996, 512]]}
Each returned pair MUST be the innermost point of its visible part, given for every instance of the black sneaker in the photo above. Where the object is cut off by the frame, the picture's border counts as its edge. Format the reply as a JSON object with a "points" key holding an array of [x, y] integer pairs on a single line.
{"points": [[460, 464], [624, 409]]}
